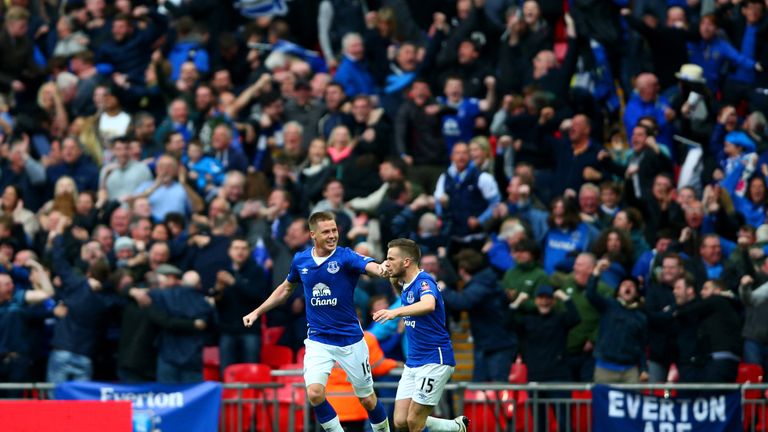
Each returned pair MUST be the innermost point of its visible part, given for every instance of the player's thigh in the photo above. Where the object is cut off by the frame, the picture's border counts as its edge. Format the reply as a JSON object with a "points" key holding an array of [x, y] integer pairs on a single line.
{"points": [[319, 359], [430, 380], [354, 360]]}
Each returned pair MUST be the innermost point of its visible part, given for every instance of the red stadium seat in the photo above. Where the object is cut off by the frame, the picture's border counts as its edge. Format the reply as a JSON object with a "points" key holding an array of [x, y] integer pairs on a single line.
{"points": [[581, 413], [211, 364], [271, 335], [260, 411], [300, 356], [292, 378], [518, 373], [754, 415], [276, 355]]}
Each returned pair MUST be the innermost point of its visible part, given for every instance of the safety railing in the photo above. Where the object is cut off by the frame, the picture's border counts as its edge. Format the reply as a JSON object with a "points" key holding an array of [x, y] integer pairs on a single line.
{"points": [[532, 407]]}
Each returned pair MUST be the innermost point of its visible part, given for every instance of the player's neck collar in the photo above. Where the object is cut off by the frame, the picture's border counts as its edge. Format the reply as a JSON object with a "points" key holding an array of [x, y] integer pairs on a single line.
{"points": [[314, 255], [408, 283]]}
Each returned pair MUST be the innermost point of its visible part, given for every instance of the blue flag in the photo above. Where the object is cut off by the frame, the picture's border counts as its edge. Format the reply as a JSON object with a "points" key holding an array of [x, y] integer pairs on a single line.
{"points": [[629, 411], [156, 407]]}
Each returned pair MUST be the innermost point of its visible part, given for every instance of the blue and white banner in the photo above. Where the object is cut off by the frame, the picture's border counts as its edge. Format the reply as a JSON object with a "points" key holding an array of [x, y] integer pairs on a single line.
{"points": [[156, 407], [629, 411], [259, 8]]}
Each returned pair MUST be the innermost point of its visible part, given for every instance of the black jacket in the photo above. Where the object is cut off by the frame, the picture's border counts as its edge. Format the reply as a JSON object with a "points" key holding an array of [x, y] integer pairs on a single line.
{"points": [[719, 324], [137, 349], [484, 299], [251, 287], [544, 342], [662, 326]]}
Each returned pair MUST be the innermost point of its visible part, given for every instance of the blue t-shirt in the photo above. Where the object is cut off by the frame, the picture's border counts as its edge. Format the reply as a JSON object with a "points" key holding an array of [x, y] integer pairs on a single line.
{"points": [[428, 339], [329, 294], [459, 127]]}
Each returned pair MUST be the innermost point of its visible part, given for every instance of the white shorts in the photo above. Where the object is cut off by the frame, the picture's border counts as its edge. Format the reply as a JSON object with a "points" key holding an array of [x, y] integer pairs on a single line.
{"points": [[424, 384], [320, 358]]}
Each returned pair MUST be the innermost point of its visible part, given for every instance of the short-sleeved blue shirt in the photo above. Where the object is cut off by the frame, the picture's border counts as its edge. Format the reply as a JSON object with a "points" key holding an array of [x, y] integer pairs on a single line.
{"points": [[328, 291], [460, 127], [428, 339]]}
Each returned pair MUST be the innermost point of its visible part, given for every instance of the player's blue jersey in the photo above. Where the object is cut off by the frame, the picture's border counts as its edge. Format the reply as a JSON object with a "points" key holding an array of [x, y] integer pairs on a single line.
{"points": [[328, 293], [428, 339]]}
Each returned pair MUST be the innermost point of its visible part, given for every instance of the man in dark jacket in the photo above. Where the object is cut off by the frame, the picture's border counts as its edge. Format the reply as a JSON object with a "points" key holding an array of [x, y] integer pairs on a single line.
{"points": [[18, 71], [466, 196], [129, 49], [88, 303], [418, 135], [75, 164], [718, 341], [141, 325], [180, 357], [662, 326], [207, 254], [544, 333], [484, 300], [620, 347], [237, 289]]}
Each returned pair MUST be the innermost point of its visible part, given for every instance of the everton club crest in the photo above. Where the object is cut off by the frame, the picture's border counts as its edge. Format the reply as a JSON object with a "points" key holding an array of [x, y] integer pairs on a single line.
{"points": [[333, 267]]}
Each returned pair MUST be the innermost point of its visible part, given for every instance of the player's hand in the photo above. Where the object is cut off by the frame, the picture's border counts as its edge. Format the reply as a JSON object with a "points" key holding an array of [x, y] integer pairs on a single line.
{"points": [[250, 319], [384, 315]]}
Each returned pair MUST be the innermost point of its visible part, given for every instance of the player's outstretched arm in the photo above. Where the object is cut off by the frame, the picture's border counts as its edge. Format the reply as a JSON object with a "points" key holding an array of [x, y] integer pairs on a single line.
{"points": [[377, 270], [278, 297], [421, 307]]}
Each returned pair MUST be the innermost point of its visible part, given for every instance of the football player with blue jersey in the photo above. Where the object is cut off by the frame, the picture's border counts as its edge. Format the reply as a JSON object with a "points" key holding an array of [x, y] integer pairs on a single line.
{"points": [[430, 362], [329, 275]]}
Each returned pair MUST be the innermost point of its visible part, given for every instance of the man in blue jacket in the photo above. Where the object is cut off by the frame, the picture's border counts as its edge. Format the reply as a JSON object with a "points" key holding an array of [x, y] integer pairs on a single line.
{"points": [[484, 299], [353, 73], [180, 356], [88, 301], [74, 164], [623, 334], [128, 50]]}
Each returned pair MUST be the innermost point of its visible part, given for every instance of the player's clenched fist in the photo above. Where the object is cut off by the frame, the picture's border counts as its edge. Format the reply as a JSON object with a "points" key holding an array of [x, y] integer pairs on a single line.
{"points": [[249, 319]]}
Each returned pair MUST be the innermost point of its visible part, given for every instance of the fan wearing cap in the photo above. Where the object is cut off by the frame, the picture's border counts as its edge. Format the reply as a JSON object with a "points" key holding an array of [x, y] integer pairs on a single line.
{"points": [[543, 333], [738, 160], [623, 333], [180, 355]]}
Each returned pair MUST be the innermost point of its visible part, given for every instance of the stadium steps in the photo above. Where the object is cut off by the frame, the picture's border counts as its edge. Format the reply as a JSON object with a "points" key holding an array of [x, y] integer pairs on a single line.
{"points": [[463, 348]]}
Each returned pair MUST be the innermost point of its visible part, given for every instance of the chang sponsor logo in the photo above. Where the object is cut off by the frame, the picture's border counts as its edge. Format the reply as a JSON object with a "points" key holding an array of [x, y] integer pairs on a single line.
{"points": [[320, 294]]}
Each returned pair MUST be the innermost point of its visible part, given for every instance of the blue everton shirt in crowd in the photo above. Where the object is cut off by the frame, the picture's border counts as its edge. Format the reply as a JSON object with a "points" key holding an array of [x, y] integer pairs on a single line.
{"points": [[329, 284], [460, 127], [428, 340]]}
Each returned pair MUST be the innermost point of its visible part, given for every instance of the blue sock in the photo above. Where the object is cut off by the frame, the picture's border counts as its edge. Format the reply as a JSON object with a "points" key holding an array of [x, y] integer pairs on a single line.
{"points": [[378, 414], [324, 412]]}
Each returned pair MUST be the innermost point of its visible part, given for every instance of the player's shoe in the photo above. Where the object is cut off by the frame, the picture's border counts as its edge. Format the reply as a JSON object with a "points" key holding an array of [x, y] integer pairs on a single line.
{"points": [[463, 422]]}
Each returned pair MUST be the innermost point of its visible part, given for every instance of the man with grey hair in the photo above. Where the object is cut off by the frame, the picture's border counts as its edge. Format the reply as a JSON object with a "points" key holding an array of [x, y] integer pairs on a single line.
{"points": [[353, 73], [581, 338]]}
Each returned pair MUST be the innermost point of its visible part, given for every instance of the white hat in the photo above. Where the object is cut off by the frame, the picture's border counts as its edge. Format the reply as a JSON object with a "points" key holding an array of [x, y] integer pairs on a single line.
{"points": [[691, 73]]}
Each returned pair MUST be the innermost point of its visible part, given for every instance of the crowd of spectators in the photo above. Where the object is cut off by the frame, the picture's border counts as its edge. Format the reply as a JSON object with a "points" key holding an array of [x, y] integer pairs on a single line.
{"points": [[586, 179]]}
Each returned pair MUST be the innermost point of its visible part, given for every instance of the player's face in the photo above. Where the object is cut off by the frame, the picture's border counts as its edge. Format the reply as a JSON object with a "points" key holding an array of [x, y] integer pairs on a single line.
{"points": [[396, 262], [326, 235]]}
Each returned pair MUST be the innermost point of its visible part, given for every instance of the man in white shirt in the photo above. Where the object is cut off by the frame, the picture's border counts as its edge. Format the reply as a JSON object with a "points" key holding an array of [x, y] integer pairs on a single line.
{"points": [[121, 177]]}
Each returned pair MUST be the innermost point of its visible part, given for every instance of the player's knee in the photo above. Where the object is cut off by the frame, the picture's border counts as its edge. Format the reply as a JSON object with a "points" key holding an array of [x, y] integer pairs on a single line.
{"points": [[369, 402], [415, 423], [401, 422], [316, 394]]}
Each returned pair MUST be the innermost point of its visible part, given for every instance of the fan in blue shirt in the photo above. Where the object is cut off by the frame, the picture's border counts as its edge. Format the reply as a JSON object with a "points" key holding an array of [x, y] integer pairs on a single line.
{"points": [[430, 361], [329, 274], [460, 126]]}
